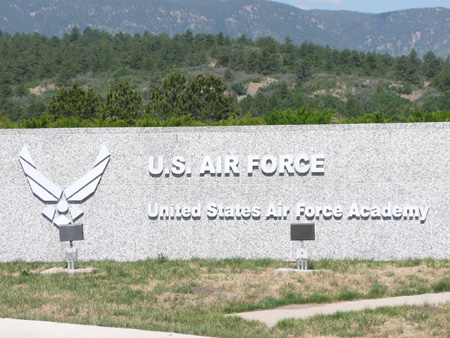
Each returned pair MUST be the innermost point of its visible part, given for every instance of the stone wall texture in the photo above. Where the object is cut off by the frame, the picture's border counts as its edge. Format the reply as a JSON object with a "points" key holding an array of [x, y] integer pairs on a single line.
{"points": [[370, 165]]}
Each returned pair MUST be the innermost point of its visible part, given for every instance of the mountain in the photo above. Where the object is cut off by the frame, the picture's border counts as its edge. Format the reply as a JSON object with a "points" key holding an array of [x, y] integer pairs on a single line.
{"points": [[395, 33]]}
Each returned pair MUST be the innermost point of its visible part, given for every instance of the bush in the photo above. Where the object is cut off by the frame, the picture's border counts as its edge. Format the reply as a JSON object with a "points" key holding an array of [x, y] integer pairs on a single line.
{"points": [[239, 88], [299, 116]]}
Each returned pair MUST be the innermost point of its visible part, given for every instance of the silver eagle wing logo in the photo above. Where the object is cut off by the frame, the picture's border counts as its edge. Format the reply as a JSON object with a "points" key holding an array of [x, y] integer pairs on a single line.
{"points": [[49, 193]]}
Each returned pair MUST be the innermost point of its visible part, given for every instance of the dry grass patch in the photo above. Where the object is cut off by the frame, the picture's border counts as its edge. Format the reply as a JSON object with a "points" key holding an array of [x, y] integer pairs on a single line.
{"points": [[50, 310], [149, 287], [417, 322], [383, 322], [194, 296], [254, 287]]}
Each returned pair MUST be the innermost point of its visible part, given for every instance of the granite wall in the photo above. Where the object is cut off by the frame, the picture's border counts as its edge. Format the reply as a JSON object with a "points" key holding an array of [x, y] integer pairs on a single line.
{"points": [[373, 191]]}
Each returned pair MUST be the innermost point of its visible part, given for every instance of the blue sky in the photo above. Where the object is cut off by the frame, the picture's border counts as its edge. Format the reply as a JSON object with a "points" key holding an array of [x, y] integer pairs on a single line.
{"points": [[367, 6]]}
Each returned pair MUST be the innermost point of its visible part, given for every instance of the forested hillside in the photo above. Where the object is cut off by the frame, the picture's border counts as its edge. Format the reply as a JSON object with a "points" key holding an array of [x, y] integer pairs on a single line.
{"points": [[395, 33], [93, 78]]}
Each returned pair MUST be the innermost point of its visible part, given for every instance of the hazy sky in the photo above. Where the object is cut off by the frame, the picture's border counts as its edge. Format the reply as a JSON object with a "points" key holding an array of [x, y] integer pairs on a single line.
{"points": [[367, 6]]}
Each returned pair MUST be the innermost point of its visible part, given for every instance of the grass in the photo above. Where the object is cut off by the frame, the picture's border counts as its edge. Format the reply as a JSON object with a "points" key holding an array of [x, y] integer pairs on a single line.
{"points": [[382, 322], [194, 296]]}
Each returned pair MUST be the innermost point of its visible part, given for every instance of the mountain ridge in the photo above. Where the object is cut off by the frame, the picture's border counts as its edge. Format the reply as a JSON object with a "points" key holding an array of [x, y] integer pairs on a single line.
{"points": [[396, 33]]}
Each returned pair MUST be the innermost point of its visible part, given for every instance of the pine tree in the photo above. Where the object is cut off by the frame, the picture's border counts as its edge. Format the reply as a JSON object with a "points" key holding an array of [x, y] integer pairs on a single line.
{"points": [[74, 102], [122, 102], [167, 101]]}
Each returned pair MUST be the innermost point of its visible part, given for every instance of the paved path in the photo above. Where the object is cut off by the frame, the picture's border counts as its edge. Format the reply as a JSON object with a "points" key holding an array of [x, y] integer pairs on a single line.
{"points": [[16, 328], [271, 317]]}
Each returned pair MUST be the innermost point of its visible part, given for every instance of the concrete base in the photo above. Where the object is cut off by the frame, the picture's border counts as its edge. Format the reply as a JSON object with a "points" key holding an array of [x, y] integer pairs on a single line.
{"points": [[53, 271], [285, 271]]}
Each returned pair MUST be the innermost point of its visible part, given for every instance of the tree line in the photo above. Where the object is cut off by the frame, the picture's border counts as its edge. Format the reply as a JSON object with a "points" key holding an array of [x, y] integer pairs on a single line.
{"points": [[25, 57]]}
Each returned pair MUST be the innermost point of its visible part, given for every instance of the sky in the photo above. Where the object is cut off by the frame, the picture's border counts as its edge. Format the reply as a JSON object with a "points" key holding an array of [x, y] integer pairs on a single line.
{"points": [[366, 6]]}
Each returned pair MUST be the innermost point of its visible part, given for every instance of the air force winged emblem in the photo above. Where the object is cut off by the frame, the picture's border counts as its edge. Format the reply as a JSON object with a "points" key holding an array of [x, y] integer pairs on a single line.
{"points": [[64, 213]]}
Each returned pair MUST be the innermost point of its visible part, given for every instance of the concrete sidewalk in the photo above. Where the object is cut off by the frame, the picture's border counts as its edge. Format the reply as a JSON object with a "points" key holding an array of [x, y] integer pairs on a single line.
{"points": [[271, 317], [16, 328]]}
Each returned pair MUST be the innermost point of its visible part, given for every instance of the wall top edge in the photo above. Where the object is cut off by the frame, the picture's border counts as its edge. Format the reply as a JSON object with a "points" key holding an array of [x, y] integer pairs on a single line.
{"points": [[233, 129]]}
